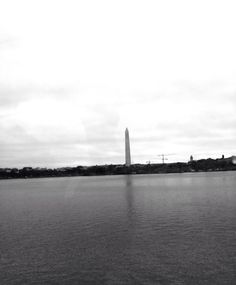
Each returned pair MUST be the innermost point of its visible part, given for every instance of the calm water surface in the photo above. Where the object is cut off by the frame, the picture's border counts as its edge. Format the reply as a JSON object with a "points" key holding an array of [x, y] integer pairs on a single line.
{"points": [[143, 229]]}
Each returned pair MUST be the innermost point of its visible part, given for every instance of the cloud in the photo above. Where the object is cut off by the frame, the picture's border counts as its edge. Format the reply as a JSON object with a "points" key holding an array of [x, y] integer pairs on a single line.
{"points": [[69, 88], [12, 95], [5, 42], [56, 129]]}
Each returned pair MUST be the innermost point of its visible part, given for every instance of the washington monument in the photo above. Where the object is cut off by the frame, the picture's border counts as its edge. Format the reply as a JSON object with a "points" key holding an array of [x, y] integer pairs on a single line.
{"points": [[127, 148]]}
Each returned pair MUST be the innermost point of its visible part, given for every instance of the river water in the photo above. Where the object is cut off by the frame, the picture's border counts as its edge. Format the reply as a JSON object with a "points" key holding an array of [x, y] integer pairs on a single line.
{"points": [[137, 229]]}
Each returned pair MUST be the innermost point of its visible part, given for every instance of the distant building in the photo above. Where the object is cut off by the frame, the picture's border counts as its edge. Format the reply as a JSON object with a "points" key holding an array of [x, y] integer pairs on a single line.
{"points": [[27, 168], [191, 158], [233, 159], [127, 149]]}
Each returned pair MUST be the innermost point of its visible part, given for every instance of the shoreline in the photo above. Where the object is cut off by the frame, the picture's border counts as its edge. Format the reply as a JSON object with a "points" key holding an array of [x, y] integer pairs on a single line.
{"points": [[113, 174]]}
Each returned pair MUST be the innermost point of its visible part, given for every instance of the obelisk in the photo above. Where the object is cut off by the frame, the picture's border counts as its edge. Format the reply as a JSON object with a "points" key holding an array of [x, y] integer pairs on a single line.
{"points": [[127, 149]]}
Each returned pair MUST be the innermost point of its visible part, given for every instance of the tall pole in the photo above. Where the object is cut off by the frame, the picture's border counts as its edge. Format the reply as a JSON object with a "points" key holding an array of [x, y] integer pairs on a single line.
{"points": [[163, 157], [127, 148]]}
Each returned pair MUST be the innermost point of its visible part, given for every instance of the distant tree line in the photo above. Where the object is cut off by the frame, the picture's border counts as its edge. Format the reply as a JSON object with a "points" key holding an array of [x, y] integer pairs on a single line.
{"points": [[114, 169]]}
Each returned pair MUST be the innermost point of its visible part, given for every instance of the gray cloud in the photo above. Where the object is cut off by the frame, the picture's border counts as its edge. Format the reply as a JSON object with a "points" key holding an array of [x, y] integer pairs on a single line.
{"points": [[7, 42], [11, 96], [208, 125]]}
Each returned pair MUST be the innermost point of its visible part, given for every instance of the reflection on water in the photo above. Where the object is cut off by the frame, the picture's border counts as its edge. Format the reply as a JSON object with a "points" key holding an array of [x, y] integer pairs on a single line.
{"points": [[129, 199], [128, 179], [142, 229]]}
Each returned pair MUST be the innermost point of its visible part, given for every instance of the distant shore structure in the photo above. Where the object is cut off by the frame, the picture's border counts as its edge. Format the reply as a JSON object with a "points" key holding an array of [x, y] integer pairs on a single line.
{"points": [[127, 149]]}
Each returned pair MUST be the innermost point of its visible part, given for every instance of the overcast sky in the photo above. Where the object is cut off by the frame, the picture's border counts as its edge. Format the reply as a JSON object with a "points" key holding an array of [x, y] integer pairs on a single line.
{"points": [[75, 74]]}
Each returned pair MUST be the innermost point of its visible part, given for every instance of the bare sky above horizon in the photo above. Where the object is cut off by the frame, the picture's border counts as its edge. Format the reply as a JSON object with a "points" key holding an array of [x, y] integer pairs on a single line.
{"points": [[75, 74]]}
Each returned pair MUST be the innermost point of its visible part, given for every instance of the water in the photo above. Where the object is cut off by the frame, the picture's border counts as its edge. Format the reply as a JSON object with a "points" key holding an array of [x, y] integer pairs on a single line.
{"points": [[143, 229]]}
